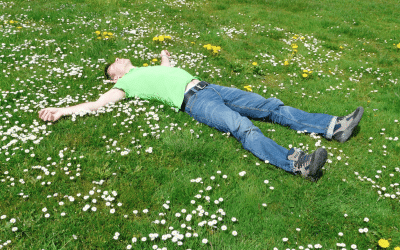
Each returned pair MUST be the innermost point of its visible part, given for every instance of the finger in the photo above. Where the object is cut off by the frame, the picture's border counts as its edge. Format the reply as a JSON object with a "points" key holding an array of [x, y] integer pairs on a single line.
{"points": [[46, 117], [42, 114]]}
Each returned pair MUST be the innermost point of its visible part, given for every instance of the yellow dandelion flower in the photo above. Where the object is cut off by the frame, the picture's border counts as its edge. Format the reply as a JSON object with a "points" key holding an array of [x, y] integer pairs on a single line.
{"points": [[398, 46], [105, 33], [383, 243], [310, 72], [215, 51], [106, 37], [341, 47], [97, 32], [304, 75], [254, 63], [11, 21], [218, 47], [167, 37], [302, 38], [193, 43], [286, 63], [207, 46], [294, 51], [295, 37], [248, 88], [305, 71], [155, 60], [145, 65], [397, 248], [110, 34], [99, 37], [155, 38], [19, 27], [294, 46], [161, 38]]}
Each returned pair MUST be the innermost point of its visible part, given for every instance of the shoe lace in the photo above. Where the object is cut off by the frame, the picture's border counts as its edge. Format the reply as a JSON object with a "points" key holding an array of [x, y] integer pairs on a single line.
{"points": [[302, 164]]}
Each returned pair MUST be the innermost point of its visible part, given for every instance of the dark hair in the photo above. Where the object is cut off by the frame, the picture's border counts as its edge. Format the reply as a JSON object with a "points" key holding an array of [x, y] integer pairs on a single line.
{"points": [[106, 75]]}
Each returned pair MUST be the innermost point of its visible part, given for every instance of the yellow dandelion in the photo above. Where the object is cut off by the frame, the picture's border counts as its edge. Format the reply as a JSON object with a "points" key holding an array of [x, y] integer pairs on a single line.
{"points": [[99, 37], [302, 38], [110, 34], [106, 37], [286, 63], [294, 46], [341, 47], [309, 72], [161, 38], [19, 27], [155, 38], [168, 37], [295, 37], [208, 46], [304, 75], [219, 47], [97, 32], [397, 248], [294, 51], [305, 71], [248, 88], [215, 51], [105, 33], [398, 46], [254, 63], [145, 65], [383, 243], [155, 60], [193, 43], [11, 21]]}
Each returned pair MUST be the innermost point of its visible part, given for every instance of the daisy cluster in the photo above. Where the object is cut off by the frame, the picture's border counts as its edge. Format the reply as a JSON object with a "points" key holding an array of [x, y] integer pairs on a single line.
{"points": [[181, 3], [180, 225], [27, 94], [230, 31]]}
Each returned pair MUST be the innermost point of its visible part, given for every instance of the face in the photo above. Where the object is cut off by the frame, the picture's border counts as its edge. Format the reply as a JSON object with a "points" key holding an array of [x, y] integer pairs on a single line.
{"points": [[119, 68]]}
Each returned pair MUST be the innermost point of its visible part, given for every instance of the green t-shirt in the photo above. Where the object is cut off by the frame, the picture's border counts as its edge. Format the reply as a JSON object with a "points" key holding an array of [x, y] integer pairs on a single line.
{"points": [[163, 83]]}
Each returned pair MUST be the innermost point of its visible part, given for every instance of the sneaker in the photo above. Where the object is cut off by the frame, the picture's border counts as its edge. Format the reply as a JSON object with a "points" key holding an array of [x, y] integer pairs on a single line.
{"points": [[345, 125], [308, 165]]}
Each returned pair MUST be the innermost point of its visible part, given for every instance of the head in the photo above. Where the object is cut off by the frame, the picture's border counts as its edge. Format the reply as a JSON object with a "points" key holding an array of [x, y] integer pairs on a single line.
{"points": [[118, 69]]}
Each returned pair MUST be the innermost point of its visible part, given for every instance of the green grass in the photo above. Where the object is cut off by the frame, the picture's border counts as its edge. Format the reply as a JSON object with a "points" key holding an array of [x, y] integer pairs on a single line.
{"points": [[349, 46]]}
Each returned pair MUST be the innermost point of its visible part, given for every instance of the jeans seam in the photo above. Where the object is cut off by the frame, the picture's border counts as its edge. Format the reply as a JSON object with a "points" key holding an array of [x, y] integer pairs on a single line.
{"points": [[263, 110]]}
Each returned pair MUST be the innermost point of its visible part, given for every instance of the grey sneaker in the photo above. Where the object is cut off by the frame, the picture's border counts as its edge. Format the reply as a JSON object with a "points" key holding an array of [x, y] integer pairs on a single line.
{"points": [[308, 165], [345, 125]]}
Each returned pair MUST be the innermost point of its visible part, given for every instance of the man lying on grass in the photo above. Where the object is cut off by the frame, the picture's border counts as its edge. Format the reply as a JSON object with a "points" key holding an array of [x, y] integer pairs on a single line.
{"points": [[226, 109]]}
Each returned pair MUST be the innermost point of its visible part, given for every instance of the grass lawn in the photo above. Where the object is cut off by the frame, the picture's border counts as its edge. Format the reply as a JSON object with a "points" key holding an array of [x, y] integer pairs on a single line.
{"points": [[138, 174]]}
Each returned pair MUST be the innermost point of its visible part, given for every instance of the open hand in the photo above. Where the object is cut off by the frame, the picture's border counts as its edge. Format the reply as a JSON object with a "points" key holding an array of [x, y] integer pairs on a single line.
{"points": [[50, 114]]}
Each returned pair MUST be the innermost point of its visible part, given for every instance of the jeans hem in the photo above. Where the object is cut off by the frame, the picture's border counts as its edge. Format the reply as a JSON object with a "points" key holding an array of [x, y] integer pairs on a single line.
{"points": [[329, 132]]}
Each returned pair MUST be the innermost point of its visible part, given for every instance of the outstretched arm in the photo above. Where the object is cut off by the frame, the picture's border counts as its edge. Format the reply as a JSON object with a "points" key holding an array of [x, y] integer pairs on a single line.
{"points": [[53, 114], [165, 55]]}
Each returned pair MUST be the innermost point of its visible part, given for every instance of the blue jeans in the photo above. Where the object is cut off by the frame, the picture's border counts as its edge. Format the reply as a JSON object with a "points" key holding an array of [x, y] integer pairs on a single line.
{"points": [[229, 109]]}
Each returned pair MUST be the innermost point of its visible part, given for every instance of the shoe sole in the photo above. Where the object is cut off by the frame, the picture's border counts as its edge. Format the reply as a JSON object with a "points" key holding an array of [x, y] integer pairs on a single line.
{"points": [[318, 162], [349, 130]]}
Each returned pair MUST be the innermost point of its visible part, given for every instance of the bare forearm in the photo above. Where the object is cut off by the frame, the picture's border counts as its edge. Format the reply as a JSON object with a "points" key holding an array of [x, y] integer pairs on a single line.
{"points": [[165, 61], [83, 106]]}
